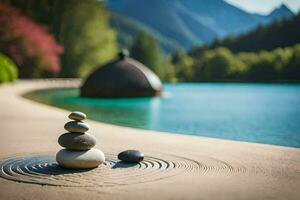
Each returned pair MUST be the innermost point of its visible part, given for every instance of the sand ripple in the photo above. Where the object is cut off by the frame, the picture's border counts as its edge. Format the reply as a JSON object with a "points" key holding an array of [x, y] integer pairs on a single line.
{"points": [[43, 169]]}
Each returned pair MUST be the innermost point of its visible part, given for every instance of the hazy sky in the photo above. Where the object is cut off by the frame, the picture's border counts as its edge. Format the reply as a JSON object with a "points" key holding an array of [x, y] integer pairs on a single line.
{"points": [[265, 6]]}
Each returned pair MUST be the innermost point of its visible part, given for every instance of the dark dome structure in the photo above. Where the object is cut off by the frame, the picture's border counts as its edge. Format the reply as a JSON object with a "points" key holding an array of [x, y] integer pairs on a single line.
{"points": [[122, 77]]}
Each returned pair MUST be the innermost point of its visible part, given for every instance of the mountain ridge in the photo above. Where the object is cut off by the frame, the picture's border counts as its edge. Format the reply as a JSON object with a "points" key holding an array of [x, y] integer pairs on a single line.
{"points": [[193, 22], [278, 34]]}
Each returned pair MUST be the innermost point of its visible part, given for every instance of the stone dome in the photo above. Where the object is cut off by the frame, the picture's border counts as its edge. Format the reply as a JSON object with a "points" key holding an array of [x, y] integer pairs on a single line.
{"points": [[122, 77]]}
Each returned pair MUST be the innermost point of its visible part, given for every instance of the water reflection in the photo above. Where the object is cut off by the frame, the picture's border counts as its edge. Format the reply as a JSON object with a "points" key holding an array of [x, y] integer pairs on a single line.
{"points": [[144, 111], [154, 113]]}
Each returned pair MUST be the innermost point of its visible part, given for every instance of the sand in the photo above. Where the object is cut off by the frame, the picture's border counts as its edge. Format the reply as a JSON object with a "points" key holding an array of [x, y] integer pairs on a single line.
{"points": [[176, 166]]}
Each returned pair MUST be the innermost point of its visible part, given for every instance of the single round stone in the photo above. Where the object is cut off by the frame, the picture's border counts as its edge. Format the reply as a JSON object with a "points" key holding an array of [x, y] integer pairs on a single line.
{"points": [[77, 141], [134, 156], [76, 126], [80, 159], [76, 115]]}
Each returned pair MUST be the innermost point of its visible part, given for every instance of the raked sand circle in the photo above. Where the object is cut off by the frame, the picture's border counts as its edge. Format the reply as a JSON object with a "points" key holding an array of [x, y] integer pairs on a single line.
{"points": [[44, 170]]}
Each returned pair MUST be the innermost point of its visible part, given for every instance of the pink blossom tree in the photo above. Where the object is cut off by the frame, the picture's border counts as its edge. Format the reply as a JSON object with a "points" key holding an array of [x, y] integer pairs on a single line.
{"points": [[29, 44]]}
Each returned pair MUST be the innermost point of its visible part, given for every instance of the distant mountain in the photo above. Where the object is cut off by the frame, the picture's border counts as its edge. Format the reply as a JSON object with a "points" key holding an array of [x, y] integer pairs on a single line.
{"points": [[280, 12], [282, 33], [128, 29], [192, 22], [166, 17]]}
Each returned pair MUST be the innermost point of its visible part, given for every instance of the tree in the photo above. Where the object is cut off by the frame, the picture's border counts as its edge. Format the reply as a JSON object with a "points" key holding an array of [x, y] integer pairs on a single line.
{"points": [[263, 69], [81, 26], [219, 64], [29, 44], [183, 65], [282, 33], [292, 69], [86, 37], [146, 50], [8, 70], [169, 71]]}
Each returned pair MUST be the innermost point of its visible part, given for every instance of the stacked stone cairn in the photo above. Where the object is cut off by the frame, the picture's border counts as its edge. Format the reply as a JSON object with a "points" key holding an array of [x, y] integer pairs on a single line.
{"points": [[79, 152]]}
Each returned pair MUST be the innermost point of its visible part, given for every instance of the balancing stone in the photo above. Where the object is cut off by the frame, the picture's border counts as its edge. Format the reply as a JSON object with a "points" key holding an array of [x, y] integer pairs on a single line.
{"points": [[79, 152]]}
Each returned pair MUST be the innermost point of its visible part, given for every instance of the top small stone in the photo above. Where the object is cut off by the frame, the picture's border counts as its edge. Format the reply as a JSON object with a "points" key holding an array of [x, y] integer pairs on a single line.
{"points": [[76, 115]]}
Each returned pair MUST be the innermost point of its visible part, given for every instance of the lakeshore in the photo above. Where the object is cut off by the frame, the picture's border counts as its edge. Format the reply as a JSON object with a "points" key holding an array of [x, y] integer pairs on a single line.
{"points": [[260, 113], [213, 168]]}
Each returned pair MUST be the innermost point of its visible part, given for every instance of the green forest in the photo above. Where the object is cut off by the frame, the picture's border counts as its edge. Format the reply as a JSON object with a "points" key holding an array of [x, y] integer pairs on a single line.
{"points": [[67, 38], [72, 38], [267, 53], [282, 33], [220, 64]]}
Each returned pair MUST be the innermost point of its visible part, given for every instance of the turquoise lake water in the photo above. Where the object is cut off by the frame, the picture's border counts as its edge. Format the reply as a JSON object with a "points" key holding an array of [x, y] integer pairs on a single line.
{"points": [[264, 113]]}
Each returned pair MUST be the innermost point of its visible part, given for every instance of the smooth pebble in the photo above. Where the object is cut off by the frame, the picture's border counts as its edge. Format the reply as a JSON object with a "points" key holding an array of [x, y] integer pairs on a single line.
{"points": [[76, 126], [80, 159], [77, 141], [76, 115], [134, 156]]}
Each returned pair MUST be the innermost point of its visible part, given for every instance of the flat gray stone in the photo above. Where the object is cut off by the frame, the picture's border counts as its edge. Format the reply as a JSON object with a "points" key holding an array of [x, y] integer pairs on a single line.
{"points": [[132, 156], [76, 126], [80, 159], [76, 115], [77, 141]]}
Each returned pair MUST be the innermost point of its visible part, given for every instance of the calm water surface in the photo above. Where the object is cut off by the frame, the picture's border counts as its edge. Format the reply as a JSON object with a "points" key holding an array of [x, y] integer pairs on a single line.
{"points": [[264, 113]]}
